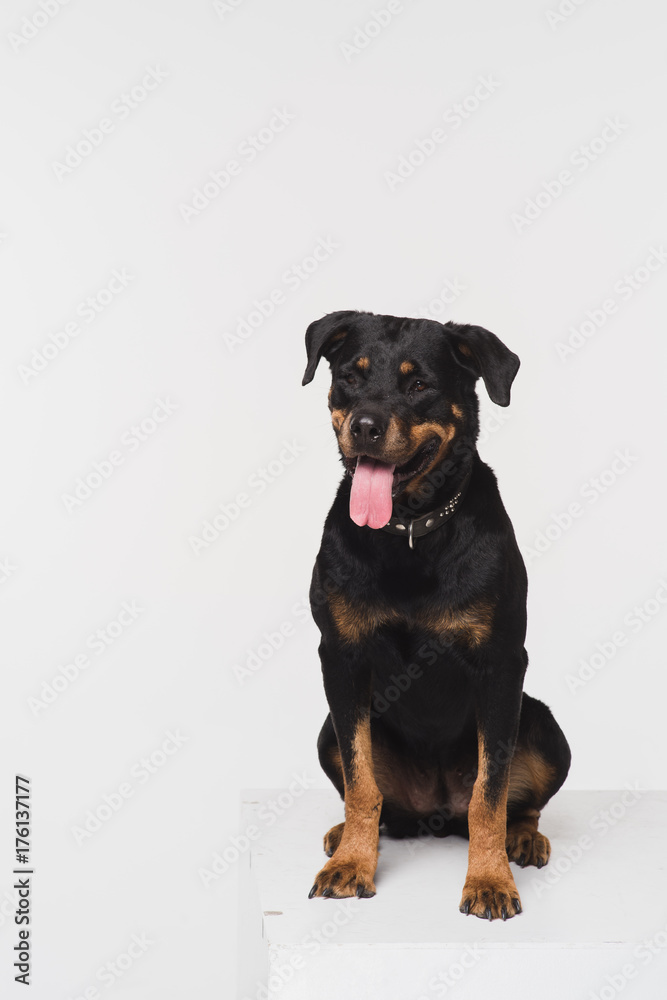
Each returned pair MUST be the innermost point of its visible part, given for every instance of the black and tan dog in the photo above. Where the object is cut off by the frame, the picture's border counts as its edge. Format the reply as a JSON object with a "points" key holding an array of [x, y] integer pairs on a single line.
{"points": [[419, 591]]}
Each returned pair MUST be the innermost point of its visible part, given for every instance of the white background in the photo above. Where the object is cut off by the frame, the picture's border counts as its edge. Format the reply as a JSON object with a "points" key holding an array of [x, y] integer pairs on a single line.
{"points": [[166, 335]]}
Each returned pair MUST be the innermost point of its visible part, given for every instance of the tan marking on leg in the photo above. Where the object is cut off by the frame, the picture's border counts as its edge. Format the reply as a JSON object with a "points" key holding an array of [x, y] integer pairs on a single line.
{"points": [[489, 889], [335, 758], [471, 625], [332, 839], [406, 367], [524, 843], [530, 776], [362, 795], [351, 870]]}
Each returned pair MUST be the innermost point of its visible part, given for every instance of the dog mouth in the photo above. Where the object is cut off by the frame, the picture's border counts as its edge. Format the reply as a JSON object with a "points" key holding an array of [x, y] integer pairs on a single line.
{"points": [[376, 483]]}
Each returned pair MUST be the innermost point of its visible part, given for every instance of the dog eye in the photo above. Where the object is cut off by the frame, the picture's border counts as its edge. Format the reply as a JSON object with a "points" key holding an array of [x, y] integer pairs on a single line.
{"points": [[351, 379], [418, 386]]}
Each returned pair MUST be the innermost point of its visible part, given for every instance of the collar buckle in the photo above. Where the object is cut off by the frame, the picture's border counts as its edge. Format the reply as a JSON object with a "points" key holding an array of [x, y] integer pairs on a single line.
{"points": [[423, 525]]}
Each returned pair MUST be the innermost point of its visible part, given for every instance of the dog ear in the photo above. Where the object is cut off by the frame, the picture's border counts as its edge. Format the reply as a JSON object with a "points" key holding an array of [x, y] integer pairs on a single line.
{"points": [[324, 337], [483, 354]]}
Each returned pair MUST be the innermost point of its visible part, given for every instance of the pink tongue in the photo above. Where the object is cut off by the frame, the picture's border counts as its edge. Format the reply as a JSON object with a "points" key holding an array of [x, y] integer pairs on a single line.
{"points": [[370, 497]]}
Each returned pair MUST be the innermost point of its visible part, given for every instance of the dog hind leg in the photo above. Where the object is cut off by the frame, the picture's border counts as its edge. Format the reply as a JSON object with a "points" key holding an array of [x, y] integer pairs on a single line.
{"points": [[539, 768]]}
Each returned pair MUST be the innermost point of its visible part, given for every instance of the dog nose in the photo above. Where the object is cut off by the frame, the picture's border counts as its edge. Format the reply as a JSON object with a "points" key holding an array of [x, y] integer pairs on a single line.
{"points": [[368, 428]]}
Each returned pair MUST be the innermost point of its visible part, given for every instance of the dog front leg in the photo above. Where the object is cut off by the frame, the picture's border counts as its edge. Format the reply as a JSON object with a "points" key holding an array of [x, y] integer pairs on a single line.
{"points": [[347, 682], [489, 889]]}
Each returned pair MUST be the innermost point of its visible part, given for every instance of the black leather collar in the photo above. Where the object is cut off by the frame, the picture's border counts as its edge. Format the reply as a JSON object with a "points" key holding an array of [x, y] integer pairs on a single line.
{"points": [[419, 526]]}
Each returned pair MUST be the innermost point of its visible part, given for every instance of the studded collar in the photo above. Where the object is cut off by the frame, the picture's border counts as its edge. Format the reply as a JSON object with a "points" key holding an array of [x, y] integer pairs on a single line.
{"points": [[419, 526]]}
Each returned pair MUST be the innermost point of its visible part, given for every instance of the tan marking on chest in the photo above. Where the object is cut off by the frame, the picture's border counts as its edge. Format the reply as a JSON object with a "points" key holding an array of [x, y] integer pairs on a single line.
{"points": [[356, 621], [472, 625]]}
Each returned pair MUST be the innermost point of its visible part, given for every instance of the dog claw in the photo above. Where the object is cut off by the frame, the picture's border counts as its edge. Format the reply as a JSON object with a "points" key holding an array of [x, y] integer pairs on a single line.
{"points": [[503, 913], [517, 905], [328, 891], [488, 914], [521, 860], [465, 908], [312, 892], [540, 863]]}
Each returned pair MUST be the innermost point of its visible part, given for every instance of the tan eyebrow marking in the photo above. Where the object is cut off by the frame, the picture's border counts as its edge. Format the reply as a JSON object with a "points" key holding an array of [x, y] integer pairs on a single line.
{"points": [[363, 364], [406, 367]]}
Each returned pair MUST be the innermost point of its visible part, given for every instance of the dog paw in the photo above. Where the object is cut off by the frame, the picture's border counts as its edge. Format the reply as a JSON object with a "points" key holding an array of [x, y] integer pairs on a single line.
{"points": [[342, 877], [333, 838], [491, 897], [527, 847]]}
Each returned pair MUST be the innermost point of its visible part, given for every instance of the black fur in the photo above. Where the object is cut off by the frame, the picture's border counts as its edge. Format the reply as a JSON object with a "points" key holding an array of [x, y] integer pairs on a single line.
{"points": [[472, 559]]}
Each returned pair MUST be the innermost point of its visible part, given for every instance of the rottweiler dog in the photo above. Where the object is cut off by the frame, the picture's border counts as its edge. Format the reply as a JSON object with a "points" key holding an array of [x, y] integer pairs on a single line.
{"points": [[419, 591]]}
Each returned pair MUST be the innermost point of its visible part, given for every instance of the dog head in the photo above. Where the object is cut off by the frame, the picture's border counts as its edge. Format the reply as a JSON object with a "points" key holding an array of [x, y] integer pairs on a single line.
{"points": [[402, 392]]}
